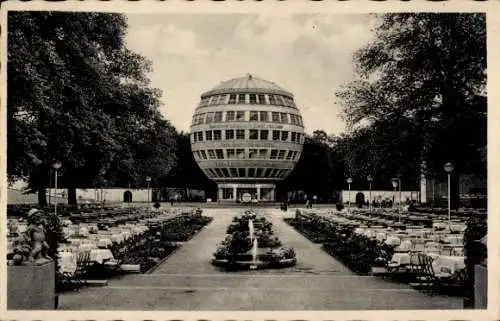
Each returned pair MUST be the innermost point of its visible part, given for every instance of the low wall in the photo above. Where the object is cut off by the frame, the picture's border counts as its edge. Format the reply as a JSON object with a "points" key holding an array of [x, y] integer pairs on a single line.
{"points": [[380, 195]]}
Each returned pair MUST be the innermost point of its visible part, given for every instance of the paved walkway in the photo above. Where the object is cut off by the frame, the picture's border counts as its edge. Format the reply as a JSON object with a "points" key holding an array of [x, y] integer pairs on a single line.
{"points": [[187, 281]]}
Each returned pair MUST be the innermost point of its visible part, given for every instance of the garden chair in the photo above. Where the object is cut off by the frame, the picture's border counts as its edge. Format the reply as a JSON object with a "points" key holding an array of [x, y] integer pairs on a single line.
{"points": [[431, 281]]}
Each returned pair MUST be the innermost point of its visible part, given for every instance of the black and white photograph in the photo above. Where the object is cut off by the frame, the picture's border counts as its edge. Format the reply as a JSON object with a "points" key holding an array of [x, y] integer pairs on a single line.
{"points": [[246, 161]]}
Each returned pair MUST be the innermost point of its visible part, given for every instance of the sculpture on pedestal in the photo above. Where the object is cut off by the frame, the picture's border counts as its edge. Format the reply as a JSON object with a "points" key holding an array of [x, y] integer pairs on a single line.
{"points": [[31, 246]]}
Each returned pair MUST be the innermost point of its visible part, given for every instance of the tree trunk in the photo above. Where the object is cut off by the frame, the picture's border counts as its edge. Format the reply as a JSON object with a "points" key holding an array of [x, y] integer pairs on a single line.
{"points": [[42, 196], [72, 196]]}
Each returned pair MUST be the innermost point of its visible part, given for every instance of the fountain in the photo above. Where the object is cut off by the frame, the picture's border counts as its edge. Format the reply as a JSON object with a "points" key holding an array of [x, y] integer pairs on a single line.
{"points": [[248, 236]]}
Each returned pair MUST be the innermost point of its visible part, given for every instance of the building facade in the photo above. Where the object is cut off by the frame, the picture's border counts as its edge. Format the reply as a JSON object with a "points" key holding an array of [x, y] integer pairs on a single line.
{"points": [[246, 135]]}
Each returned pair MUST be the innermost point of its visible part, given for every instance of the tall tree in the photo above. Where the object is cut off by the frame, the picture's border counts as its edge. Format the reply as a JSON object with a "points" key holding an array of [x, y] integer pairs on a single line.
{"points": [[78, 95], [428, 71]]}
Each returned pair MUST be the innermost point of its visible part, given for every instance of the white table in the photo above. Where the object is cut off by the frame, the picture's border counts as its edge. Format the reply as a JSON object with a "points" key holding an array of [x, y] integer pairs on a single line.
{"points": [[100, 255], [67, 262], [448, 264]]}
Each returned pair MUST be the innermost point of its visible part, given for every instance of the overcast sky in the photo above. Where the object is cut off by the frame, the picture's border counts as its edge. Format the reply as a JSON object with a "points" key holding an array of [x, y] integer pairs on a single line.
{"points": [[309, 55]]}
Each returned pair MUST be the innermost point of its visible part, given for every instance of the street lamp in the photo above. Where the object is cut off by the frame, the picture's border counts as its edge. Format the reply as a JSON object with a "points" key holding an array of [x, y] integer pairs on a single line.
{"points": [[395, 183], [448, 167], [148, 180], [55, 165], [349, 181], [369, 178]]}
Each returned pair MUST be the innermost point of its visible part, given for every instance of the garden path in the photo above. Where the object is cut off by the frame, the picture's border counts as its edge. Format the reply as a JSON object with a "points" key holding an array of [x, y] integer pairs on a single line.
{"points": [[187, 281]]}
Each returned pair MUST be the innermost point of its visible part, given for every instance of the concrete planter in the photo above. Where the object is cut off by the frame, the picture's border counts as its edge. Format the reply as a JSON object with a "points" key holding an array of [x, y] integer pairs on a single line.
{"points": [[31, 287], [480, 287]]}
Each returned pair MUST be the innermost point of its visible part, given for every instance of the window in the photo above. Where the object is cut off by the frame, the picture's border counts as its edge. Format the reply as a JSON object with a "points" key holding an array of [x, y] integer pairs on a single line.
{"points": [[284, 118], [218, 171], [241, 172], [275, 172], [272, 100], [279, 101], [262, 99], [276, 135], [211, 154], [229, 134], [217, 117], [263, 116], [276, 117], [281, 154], [232, 99], [219, 153], [225, 172], [251, 172], [293, 120], [252, 153], [240, 115], [198, 119], [230, 116], [253, 98], [262, 153], [240, 134], [234, 172], [212, 100], [258, 173], [289, 155], [198, 136], [195, 137], [268, 172], [294, 155], [240, 153], [254, 116], [217, 134], [299, 118], [284, 136], [208, 135], [230, 153], [241, 98], [299, 136], [264, 135], [222, 99], [274, 153], [203, 154], [204, 102], [294, 137], [210, 118], [253, 134]]}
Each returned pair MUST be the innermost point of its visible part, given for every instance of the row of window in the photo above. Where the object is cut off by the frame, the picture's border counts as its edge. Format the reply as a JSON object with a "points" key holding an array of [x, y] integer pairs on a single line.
{"points": [[241, 115], [253, 134], [246, 172], [257, 99], [243, 153]]}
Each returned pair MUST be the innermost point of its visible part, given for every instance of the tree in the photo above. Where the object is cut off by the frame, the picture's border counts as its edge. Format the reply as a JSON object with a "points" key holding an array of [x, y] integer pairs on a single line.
{"points": [[423, 77], [77, 94]]}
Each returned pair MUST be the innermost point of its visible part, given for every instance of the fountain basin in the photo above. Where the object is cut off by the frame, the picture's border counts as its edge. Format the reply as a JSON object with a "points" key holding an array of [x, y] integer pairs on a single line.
{"points": [[251, 265]]}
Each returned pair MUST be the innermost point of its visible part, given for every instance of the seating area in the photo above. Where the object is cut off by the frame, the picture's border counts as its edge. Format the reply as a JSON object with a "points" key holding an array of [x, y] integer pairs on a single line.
{"points": [[422, 249], [98, 245]]}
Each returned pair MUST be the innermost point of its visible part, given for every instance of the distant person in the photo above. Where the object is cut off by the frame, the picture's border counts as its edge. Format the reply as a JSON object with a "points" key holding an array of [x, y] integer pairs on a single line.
{"points": [[307, 203]]}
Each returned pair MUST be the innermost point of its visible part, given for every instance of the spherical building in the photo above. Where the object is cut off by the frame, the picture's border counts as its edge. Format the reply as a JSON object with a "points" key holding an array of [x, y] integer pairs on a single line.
{"points": [[246, 135]]}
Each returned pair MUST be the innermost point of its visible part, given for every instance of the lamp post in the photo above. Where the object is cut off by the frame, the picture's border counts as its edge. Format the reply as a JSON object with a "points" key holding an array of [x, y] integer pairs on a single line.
{"points": [[55, 165], [349, 181], [148, 180], [369, 178], [448, 167], [395, 183]]}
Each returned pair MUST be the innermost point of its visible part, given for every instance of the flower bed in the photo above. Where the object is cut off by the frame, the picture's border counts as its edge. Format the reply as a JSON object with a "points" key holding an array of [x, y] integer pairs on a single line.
{"points": [[153, 246], [359, 253], [235, 251]]}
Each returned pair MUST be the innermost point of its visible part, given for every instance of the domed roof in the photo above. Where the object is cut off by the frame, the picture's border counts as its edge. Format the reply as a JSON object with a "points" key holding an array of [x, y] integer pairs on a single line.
{"points": [[248, 83]]}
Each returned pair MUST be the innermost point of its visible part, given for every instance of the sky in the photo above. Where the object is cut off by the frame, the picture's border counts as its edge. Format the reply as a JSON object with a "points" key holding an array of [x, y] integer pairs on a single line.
{"points": [[309, 55]]}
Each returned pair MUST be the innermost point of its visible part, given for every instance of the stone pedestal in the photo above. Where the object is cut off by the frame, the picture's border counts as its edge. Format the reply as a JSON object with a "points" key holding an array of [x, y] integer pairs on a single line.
{"points": [[480, 287], [31, 287]]}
